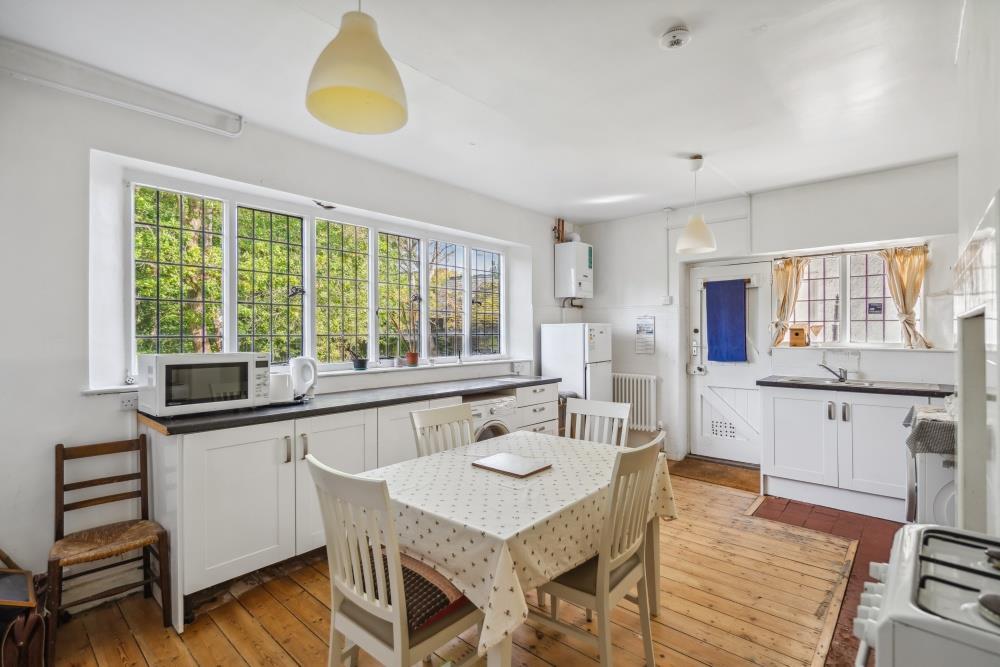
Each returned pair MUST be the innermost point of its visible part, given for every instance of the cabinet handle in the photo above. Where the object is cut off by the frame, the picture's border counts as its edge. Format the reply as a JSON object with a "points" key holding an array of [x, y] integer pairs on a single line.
{"points": [[539, 409], [830, 408], [538, 429], [845, 414], [288, 449], [305, 446], [537, 390]]}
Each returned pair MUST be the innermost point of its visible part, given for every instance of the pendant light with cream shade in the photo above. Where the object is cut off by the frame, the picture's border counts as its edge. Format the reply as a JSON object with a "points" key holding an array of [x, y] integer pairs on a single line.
{"points": [[354, 85], [696, 238]]}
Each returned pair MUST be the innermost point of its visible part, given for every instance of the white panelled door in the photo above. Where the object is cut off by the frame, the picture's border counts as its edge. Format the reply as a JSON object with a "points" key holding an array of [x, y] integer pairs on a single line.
{"points": [[724, 402]]}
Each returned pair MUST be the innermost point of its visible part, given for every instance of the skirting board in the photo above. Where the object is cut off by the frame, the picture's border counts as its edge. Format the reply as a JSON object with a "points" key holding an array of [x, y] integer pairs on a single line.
{"points": [[882, 507]]}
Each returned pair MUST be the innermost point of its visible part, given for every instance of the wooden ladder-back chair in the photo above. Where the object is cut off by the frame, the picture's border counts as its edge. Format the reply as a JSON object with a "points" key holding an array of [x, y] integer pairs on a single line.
{"points": [[620, 564], [598, 421], [396, 608], [107, 541], [441, 429]]}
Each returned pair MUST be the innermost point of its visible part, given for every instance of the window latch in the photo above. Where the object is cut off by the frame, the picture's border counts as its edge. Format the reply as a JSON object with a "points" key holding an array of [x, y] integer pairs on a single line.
{"points": [[296, 291]]}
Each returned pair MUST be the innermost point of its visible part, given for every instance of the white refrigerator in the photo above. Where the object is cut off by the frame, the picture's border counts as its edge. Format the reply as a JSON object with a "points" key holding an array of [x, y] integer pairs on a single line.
{"points": [[580, 354]]}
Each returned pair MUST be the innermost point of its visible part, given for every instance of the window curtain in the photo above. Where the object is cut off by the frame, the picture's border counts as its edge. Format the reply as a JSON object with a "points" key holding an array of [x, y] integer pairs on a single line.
{"points": [[904, 274], [787, 275]]}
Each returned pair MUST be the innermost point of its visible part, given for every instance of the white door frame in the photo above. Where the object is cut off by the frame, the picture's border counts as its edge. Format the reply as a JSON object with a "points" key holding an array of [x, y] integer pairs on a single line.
{"points": [[760, 354]]}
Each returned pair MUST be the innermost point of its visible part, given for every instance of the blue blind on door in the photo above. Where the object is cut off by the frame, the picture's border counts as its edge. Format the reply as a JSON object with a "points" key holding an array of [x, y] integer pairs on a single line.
{"points": [[726, 303]]}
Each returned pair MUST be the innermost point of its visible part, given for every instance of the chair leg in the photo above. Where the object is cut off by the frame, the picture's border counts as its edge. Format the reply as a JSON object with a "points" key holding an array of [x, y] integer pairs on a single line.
{"points": [[147, 573], [166, 593], [541, 599], [554, 613], [604, 631], [352, 656], [644, 623], [52, 603], [590, 615], [336, 658]]}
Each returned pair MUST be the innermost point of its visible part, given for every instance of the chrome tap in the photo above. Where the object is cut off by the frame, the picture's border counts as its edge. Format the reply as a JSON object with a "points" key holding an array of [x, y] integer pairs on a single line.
{"points": [[840, 373]]}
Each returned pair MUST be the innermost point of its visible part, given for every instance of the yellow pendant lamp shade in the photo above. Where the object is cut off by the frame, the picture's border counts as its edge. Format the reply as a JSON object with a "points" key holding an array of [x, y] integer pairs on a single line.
{"points": [[354, 85], [696, 238]]}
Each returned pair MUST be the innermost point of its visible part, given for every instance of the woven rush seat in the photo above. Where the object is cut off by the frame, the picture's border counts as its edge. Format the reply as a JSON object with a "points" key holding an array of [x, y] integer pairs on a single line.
{"points": [[432, 602], [113, 539]]}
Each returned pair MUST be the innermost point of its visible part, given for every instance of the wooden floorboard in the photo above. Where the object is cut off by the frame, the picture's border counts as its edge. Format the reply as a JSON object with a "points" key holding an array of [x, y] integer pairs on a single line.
{"points": [[737, 590]]}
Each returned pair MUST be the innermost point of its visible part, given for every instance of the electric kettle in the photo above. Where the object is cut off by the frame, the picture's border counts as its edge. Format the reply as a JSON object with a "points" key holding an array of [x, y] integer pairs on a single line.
{"points": [[304, 372]]}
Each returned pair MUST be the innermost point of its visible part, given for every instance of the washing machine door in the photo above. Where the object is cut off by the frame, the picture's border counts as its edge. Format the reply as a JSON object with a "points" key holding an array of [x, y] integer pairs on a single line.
{"points": [[491, 429]]}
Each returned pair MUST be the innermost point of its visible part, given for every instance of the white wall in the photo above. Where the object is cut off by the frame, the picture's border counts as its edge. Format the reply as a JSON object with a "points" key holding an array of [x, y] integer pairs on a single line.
{"points": [[636, 270], [45, 143], [979, 157]]}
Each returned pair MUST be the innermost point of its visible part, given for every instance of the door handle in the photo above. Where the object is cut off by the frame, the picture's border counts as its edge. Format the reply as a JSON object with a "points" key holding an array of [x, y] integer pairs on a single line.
{"points": [[845, 414], [288, 449], [830, 410], [305, 446]]}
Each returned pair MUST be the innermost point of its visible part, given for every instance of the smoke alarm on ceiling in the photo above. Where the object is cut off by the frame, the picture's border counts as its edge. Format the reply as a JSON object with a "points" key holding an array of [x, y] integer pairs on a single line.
{"points": [[675, 38]]}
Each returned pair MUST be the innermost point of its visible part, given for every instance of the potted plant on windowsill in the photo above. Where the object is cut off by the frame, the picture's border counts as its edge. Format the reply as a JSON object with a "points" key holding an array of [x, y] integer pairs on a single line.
{"points": [[412, 356], [360, 361]]}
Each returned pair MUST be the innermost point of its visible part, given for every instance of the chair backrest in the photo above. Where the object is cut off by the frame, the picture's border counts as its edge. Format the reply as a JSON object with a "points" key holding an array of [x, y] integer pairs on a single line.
{"points": [[361, 545], [440, 429], [628, 506], [658, 440], [599, 421], [64, 454]]}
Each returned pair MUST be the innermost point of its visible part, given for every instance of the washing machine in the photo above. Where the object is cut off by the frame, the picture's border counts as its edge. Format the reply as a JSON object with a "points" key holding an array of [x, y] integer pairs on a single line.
{"points": [[493, 415], [931, 491]]}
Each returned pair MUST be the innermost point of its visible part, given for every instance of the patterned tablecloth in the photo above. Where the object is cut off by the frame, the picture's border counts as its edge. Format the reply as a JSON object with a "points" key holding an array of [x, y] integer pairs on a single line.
{"points": [[496, 536]]}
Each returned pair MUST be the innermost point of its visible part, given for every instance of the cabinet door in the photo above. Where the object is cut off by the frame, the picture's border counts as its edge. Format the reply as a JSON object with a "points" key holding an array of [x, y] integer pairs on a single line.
{"points": [[872, 442], [345, 441], [238, 502], [800, 434], [396, 441]]}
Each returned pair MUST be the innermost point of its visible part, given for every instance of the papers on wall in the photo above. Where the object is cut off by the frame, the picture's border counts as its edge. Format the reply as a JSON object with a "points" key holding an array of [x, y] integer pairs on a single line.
{"points": [[645, 334]]}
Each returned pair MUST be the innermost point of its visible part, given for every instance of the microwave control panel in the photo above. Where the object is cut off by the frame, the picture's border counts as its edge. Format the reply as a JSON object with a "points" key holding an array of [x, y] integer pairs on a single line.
{"points": [[262, 378]]}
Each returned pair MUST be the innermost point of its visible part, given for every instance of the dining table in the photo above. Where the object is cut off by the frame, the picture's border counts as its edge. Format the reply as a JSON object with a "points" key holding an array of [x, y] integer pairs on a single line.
{"points": [[495, 536]]}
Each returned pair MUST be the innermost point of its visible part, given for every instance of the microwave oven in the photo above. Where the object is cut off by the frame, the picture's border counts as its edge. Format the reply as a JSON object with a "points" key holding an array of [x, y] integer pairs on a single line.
{"points": [[181, 384]]}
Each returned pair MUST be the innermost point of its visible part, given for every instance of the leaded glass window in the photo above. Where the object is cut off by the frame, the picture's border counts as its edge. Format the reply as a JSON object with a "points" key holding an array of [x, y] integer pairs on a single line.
{"points": [[446, 297], [398, 294], [484, 331], [341, 301]]}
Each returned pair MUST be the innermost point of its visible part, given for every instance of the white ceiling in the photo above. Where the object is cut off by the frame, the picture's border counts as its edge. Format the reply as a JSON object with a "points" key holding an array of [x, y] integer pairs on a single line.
{"points": [[567, 107]]}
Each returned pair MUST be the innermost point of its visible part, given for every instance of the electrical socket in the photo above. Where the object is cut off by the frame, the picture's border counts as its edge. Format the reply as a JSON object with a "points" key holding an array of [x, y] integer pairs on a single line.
{"points": [[130, 402]]}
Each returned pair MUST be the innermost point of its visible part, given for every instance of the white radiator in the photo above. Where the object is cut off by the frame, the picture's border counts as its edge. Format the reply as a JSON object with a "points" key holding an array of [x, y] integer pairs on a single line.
{"points": [[640, 391]]}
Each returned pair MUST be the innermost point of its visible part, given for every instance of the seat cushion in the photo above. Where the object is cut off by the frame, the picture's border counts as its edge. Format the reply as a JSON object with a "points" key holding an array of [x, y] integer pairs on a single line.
{"points": [[86, 546], [432, 603], [583, 577]]}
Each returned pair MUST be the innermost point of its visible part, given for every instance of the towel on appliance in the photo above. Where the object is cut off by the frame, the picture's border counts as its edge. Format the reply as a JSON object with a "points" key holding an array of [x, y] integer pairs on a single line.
{"points": [[726, 303]]}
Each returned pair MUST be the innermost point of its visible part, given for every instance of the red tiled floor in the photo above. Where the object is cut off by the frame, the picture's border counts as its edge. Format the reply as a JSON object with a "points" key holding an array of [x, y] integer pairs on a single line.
{"points": [[874, 540]]}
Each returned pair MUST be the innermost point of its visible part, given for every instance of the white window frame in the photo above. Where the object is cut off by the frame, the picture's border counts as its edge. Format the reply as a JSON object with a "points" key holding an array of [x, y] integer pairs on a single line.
{"points": [[844, 257], [233, 199]]}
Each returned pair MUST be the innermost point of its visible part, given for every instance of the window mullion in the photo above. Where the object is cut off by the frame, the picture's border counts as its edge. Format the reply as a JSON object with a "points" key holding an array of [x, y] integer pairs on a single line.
{"points": [[373, 296], [845, 300], [309, 283], [229, 279], [467, 304], [424, 329]]}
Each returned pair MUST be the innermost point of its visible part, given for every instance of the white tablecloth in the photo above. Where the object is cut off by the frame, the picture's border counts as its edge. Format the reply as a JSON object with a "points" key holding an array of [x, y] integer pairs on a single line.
{"points": [[496, 536]]}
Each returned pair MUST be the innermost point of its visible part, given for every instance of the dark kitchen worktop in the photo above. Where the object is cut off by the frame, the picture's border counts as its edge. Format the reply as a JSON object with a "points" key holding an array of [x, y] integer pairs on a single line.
{"points": [[345, 401], [859, 386]]}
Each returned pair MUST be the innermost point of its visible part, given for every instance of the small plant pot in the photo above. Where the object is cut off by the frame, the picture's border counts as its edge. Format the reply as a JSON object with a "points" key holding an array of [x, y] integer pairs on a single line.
{"points": [[360, 364], [412, 359]]}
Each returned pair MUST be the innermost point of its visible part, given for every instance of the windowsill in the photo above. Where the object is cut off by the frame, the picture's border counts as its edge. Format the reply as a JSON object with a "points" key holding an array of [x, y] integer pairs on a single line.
{"points": [[129, 388], [861, 348], [421, 367]]}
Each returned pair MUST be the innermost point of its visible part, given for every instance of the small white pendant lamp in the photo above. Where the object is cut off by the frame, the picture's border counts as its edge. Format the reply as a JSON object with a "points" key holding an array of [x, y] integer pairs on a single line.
{"points": [[354, 85], [696, 238]]}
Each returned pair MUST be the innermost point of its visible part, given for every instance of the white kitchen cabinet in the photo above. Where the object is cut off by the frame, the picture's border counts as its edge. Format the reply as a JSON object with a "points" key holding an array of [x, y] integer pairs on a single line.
{"points": [[239, 502], [840, 449], [871, 442], [396, 441], [800, 434], [345, 441]]}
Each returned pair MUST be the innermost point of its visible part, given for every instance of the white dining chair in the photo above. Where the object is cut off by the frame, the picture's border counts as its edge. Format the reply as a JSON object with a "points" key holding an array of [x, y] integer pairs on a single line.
{"points": [[440, 429], [599, 421], [620, 564], [371, 597]]}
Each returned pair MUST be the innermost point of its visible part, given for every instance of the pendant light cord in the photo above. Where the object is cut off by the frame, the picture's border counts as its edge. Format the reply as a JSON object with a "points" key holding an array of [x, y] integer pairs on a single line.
{"points": [[696, 189]]}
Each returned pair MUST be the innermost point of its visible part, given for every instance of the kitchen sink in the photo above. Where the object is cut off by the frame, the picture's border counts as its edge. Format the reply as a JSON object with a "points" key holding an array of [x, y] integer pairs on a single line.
{"points": [[861, 383]]}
